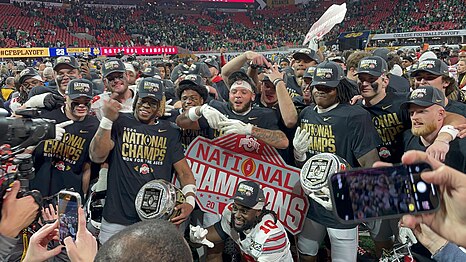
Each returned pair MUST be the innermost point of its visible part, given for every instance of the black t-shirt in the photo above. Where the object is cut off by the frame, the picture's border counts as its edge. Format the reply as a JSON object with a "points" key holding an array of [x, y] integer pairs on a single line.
{"points": [[59, 164], [346, 131], [258, 116], [456, 107], [222, 90], [390, 121], [188, 135], [292, 86], [141, 154], [455, 158], [299, 103]]}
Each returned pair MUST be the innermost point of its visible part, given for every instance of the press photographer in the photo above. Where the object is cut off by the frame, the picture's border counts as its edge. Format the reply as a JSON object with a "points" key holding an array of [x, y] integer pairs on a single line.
{"points": [[19, 207]]}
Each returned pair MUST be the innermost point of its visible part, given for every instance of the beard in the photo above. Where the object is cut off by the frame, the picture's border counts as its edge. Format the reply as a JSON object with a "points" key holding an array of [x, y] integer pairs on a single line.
{"points": [[424, 130], [247, 224], [245, 108]]}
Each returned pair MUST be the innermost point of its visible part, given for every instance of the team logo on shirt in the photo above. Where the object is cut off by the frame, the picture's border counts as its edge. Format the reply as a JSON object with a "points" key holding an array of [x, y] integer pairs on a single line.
{"points": [[384, 152], [144, 169], [60, 165]]}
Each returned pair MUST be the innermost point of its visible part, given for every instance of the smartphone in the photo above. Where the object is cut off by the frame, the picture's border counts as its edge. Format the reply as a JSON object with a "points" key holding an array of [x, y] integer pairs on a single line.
{"points": [[68, 204], [365, 194]]}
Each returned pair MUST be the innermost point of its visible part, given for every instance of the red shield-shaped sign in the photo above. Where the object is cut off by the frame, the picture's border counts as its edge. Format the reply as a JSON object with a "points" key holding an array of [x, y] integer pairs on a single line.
{"points": [[220, 164]]}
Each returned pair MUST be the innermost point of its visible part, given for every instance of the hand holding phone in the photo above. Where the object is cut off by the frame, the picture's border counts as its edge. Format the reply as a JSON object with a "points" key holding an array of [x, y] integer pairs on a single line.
{"points": [[68, 204], [365, 194]]}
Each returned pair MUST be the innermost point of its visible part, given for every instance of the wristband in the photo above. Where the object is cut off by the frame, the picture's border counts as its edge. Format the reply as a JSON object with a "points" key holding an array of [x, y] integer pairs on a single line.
{"points": [[208, 89], [276, 81], [191, 200], [453, 132], [106, 123], [189, 188], [192, 114]]}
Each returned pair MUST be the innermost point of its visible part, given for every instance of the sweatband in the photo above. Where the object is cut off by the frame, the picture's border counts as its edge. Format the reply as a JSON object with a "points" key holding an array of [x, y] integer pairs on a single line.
{"points": [[191, 200], [192, 114], [450, 130], [106, 123]]}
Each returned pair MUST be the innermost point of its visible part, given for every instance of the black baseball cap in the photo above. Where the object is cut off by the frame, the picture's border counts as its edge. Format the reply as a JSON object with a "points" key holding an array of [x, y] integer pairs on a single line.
{"points": [[200, 68], [284, 60], [372, 65], [178, 71], [327, 74], [68, 61], [306, 54], [150, 71], [192, 79], [309, 72], [249, 194], [29, 73], [113, 65], [210, 62], [431, 65], [381, 52], [151, 87], [425, 96], [192, 82], [80, 88], [338, 59]]}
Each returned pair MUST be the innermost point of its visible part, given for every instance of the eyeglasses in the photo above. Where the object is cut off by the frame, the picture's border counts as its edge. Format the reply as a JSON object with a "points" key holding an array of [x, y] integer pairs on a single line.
{"points": [[111, 78], [241, 210], [427, 77]]}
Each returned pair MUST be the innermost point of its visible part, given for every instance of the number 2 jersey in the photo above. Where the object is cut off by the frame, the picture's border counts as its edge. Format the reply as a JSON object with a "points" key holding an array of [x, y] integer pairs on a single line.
{"points": [[267, 241]]}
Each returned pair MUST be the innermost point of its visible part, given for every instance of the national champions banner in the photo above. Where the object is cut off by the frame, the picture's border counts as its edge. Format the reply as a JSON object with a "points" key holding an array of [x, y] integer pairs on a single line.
{"points": [[220, 164]]}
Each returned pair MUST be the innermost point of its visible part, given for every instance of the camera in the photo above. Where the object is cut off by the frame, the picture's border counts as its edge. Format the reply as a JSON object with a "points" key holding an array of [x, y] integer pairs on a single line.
{"points": [[25, 131]]}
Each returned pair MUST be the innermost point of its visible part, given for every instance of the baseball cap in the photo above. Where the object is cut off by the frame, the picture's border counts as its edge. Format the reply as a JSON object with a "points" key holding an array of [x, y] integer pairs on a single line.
{"points": [[80, 88], [306, 54], [192, 79], [249, 194], [66, 60], [431, 65], [408, 58], [328, 74], [338, 59], [381, 52], [192, 82], [178, 71], [113, 65], [29, 73], [309, 72], [200, 68], [372, 65], [425, 96], [151, 87], [212, 63], [284, 60], [150, 71], [130, 67]]}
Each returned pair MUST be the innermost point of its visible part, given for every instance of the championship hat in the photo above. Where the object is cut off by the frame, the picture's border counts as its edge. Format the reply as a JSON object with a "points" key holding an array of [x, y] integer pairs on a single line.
{"points": [[68, 61], [327, 74], [113, 65], [306, 54], [249, 194], [80, 88], [192, 82], [151, 87], [29, 73], [372, 65], [431, 65], [212, 63], [425, 96]]}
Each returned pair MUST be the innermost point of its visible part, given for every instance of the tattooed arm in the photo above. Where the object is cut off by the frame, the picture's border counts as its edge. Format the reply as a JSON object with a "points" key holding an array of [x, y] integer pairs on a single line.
{"points": [[274, 138]]}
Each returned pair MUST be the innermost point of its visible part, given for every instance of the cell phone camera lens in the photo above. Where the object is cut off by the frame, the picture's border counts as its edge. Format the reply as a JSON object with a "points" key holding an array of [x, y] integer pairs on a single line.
{"points": [[421, 187]]}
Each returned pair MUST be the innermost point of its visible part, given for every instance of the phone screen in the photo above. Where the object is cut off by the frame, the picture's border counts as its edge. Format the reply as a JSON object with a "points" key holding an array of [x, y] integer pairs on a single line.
{"points": [[68, 204], [387, 192]]}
